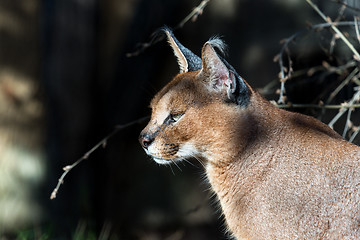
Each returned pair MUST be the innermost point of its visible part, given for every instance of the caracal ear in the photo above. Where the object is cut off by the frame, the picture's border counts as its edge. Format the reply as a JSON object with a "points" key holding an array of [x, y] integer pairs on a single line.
{"points": [[221, 76], [187, 60], [215, 72]]}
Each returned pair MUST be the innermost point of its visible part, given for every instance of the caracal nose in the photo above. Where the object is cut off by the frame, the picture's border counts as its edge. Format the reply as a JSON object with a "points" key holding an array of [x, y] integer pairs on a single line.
{"points": [[145, 140]]}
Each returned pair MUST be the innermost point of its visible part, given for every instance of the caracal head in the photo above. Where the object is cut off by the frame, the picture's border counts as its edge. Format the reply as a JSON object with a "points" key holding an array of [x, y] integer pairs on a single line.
{"points": [[190, 111]]}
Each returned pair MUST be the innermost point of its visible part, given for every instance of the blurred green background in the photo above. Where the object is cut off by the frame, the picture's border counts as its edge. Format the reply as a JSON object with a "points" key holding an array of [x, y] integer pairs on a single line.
{"points": [[65, 83]]}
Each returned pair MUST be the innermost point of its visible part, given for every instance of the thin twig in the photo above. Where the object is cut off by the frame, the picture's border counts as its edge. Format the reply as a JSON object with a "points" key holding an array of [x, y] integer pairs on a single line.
{"points": [[346, 5], [342, 85], [354, 134], [337, 117], [267, 89], [357, 28], [288, 40], [194, 14], [347, 123], [345, 107], [143, 46], [103, 142], [319, 106], [335, 36], [351, 104], [333, 26], [332, 44], [356, 80]]}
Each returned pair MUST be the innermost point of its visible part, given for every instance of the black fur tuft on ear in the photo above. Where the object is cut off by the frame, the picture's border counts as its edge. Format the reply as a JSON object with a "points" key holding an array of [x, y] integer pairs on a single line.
{"points": [[217, 43], [187, 60]]}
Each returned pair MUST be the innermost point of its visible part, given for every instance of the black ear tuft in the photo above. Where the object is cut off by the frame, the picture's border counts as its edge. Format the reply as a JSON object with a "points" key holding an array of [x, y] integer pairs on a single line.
{"points": [[187, 60]]}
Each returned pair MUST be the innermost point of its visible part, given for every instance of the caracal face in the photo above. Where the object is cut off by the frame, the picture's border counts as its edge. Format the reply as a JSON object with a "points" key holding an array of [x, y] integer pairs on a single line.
{"points": [[192, 114], [177, 118]]}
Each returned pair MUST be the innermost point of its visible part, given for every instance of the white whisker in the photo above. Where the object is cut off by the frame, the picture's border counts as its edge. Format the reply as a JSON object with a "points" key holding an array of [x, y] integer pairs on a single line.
{"points": [[202, 164], [176, 164], [185, 160], [171, 169]]}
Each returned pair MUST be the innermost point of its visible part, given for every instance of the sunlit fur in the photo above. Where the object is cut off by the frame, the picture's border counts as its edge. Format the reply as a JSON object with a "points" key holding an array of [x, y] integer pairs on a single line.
{"points": [[277, 174]]}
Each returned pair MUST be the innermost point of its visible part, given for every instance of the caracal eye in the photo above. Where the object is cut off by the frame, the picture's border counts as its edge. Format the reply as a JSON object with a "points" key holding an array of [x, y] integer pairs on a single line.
{"points": [[174, 117]]}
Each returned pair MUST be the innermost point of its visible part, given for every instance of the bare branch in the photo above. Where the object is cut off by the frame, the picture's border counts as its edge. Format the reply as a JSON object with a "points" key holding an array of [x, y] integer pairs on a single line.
{"points": [[342, 85], [351, 104], [357, 28], [347, 123], [356, 132], [143, 46], [342, 107], [283, 77], [195, 13], [333, 26], [102, 143], [346, 5], [335, 36]]}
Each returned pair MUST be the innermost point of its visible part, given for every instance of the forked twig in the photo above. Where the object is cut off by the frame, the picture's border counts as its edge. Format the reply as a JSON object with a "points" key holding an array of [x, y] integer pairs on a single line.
{"points": [[342, 107], [333, 26], [346, 5], [347, 106], [283, 77], [194, 14], [102, 143], [356, 132], [353, 103], [335, 36], [342, 85]]}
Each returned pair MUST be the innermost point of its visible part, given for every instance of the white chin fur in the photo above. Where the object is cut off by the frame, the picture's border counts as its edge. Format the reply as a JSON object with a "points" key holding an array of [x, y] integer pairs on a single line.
{"points": [[157, 160], [186, 151], [161, 161]]}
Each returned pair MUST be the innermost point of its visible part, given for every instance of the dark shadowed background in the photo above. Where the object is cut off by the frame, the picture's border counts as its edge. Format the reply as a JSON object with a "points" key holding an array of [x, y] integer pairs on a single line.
{"points": [[66, 82]]}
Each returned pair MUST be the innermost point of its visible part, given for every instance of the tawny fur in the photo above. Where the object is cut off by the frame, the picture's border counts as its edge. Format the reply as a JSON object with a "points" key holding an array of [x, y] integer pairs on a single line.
{"points": [[277, 174]]}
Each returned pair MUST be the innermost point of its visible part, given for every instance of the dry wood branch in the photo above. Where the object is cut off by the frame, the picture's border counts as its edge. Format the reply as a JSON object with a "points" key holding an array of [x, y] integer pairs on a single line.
{"points": [[351, 66], [342, 85], [268, 89], [195, 13], [335, 36], [355, 133], [343, 3], [333, 26], [348, 122], [357, 28], [349, 105], [102, 143], [283, 77], [342, 107]]}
